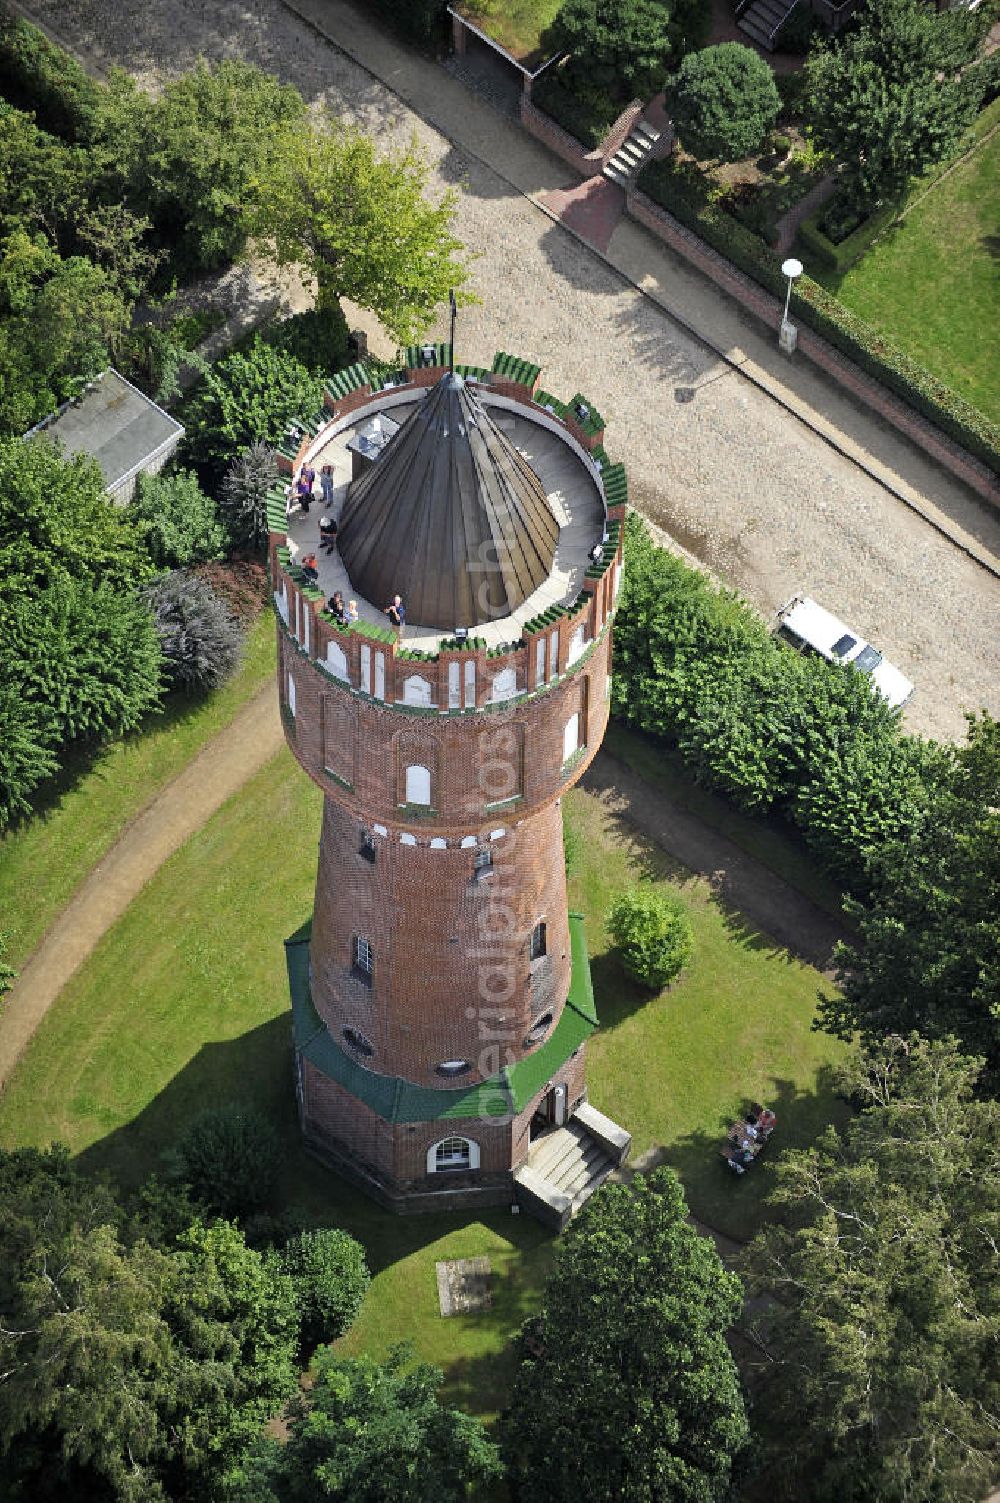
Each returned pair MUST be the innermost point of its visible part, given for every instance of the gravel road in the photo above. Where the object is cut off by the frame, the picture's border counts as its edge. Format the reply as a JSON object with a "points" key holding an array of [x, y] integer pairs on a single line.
{"points": [[731, 475]]}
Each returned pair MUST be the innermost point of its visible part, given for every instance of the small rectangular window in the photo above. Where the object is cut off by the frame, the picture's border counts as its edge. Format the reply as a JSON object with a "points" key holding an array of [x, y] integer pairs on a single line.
{"points": [[538, 941], [363, 958], [482, 862], [367, 846]]}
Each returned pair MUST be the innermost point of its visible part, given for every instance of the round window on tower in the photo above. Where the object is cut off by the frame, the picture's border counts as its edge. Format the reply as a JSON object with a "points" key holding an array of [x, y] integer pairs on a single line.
{"points": [[358, 1042], [453, 1067], [538, 1030]]}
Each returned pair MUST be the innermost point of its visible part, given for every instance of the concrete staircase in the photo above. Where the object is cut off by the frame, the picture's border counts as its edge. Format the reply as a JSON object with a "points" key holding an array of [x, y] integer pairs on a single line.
{"points": [[568, 1164], [633, 153], [763, 19]]}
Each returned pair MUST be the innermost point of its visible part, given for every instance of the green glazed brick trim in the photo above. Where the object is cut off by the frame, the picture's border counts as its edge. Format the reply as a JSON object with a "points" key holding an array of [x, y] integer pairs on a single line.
{"points": [[477, 372], [547, 400], [412, 356], [593, 422], [513, 368], [344, 382]]}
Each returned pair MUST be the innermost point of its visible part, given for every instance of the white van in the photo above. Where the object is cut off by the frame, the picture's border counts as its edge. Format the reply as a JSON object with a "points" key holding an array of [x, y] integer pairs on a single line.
{"points": [[809, 627]]}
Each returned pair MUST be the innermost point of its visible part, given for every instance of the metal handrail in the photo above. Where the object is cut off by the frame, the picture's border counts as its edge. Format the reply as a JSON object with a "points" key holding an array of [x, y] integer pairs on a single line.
{"points": [[788, 12]]}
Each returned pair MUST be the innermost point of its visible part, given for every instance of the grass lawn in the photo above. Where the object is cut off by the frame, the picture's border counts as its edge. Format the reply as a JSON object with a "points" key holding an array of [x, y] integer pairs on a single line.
{"points": [[43, 861], [931, 285], [184, 1002], [518, 25]]}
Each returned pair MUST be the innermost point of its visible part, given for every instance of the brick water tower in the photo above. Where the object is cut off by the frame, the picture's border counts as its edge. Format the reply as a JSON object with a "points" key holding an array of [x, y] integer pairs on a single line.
{"points": [[441, 993]]}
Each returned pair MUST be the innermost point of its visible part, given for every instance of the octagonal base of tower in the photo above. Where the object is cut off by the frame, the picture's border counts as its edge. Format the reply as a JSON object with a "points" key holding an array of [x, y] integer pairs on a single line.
{"points": [[419, 1149]]}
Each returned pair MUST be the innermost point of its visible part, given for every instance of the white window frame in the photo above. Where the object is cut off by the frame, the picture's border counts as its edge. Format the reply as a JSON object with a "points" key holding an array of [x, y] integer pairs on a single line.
{"points": [[363, 958], [571, 737], [469, 1159], [418, 784]]}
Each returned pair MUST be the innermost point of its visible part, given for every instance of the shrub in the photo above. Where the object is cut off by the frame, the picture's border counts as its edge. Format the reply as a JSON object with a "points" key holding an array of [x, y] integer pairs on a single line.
{"points": [[318, 338], [41, 78], [200, 640], [244, 494], [229, 1157], [27, 751], [685, 197], [724, 102], [181, 524], [652, 934], [249, 397], [620, 46], [691, 23], [331, 1280], [588, 121]]}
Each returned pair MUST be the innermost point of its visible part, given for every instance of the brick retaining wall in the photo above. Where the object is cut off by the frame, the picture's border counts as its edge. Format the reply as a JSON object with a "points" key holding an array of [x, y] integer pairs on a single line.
{"points": [[586, 163], [769, 309]]}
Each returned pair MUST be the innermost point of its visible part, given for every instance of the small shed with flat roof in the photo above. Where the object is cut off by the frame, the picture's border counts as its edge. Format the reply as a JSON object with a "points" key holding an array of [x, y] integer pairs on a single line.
{"points": [[115, 423]]}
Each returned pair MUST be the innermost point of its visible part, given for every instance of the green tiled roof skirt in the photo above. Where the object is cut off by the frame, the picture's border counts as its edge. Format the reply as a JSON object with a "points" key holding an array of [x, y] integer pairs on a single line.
{"points": [[397, 1100]]}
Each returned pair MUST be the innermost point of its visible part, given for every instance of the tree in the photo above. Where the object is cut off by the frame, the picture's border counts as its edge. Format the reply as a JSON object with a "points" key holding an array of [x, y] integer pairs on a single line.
{"points": [[246, 398], [203, 144], [27, 748], [180, 525], [724, 101], [361, 225], [87, 653], [928, 957], [41, 178], [199, 638], [132, 1372], [879, 1328], [229, 1158], [331, 1278], [57, 320], [652, 934], [626, 1388], [887, 101], [622, 47], [244, 494], [371, 1432], [318, 338]]}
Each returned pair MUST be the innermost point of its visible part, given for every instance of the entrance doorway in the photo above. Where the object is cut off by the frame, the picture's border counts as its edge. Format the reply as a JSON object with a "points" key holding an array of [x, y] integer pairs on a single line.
{"points": [[551, 1111]]}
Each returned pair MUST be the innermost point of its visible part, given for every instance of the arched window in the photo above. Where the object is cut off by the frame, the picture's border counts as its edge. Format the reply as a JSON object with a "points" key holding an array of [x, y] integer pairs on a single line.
{"points": [[577, 643], [418, 785], [468, 841], [452, 1153], [291, 695], [571, 737], [364, 960], [538, 1030], [358, 1042], [336, 660], [437, 844], [504, 684], [450, 1068], [416, 690], [538, 940]]}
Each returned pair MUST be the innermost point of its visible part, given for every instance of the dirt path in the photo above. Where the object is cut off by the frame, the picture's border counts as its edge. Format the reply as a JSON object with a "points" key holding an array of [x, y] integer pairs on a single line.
{"points": [[743, 883], [219, 769]]}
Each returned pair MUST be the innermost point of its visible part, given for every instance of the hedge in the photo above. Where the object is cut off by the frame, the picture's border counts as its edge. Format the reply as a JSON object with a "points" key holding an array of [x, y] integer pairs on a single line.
{"points": [[46, 81], [689, 203], [585, 120], [839, 255]]}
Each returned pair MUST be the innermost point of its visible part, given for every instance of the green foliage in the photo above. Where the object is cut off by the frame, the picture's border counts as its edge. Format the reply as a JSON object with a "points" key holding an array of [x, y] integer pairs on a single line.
{"points": [[331, 1278], [318, 338], [724, 101], [652, 933], [929, 953], [361, 224], [229, 1157], [202, 148], [41, 178], [7, 973], [772, 730], [587, 119], [39, 77], [27, 748], [248, 397], [370, 1432], [797, 32], [878, 1325], [886, 99], [691, 24], [687, 200], [200, 639], [621, 47], [57, 319], [626, 1388], [244, 494], [133, 1372], [180, 525], [88, 654]]}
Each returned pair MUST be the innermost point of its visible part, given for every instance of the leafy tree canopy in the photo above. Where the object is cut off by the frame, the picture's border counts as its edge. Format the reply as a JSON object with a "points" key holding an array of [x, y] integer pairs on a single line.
{"points": [[724, 101], [371, 1432], [639, 1400], [246, 398], [331, 1279], [652, 933], [929, 953], [361, 225], [886, 99], [180, 524], [199, 637], [622, 47], [879, 1334]]}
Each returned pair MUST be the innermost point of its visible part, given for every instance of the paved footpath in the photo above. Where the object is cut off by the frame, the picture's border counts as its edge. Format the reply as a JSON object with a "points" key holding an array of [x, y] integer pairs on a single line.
{"points": [[219, 770], [740, 473]]}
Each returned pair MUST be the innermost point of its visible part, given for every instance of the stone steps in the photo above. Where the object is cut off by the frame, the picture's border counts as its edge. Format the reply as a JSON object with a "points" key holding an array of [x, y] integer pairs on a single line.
{"points": [[567, 1165], [632, 154], [764, 19]]}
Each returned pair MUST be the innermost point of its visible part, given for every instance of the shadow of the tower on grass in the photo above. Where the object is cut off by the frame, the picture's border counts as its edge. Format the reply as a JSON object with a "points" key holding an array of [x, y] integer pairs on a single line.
{"points": [[255, 1069]]}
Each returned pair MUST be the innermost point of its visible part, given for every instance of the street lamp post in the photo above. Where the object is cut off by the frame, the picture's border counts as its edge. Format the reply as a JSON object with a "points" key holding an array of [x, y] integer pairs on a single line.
{"points": [[788, 334]]}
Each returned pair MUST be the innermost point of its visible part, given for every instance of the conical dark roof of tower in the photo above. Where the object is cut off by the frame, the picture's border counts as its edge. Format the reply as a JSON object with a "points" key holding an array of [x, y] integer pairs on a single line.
{"points": [[450, 517]]}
